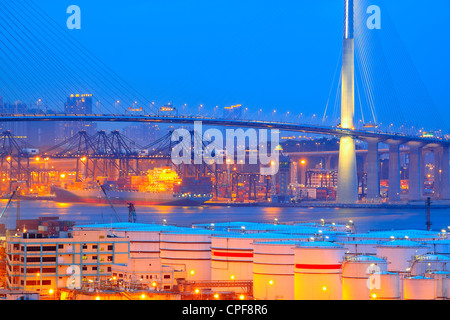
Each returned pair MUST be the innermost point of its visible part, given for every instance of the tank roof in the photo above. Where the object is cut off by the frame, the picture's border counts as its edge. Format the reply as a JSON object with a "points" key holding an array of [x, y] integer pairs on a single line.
{"points": [[362, 258], [401, 243], [397, 234], [432, 257], [364, 241], [281, 242], [319, 244], [127, 226], [419, 278], [258, 235]]}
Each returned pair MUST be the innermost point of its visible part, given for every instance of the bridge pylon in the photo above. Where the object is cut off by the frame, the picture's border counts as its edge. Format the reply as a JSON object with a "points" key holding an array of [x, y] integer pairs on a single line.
{"points": [[347, 192]]}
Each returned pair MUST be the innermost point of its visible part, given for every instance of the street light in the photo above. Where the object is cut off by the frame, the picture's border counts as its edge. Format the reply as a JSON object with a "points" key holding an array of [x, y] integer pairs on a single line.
{"points": [[267, 287]]}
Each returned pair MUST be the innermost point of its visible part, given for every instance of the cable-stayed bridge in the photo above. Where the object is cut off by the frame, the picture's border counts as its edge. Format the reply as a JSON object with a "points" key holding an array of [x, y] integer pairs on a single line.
{"points": [[56, 69]]}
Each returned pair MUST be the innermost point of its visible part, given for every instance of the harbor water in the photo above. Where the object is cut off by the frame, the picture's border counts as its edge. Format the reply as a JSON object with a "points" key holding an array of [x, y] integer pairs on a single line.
{"points": [[365, 219]]}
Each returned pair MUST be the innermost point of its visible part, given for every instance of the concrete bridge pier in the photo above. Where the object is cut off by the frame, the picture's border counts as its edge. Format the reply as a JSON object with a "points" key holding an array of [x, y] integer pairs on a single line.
{"points": [[394, 171], [441, 172], [445, 173], [347, 192], [372, 164], [415, 171], [437, 172]]}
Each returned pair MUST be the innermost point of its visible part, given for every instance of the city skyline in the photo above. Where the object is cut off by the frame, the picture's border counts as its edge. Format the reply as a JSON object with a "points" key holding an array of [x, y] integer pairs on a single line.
{"points": [[266, 57]]}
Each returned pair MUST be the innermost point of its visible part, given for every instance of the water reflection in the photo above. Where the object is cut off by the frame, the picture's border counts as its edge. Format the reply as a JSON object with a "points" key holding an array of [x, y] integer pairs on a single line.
{"points": [[364, 219]]}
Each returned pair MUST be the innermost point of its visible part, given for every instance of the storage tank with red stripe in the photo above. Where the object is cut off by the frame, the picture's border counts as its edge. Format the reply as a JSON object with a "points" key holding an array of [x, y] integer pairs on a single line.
{"points": [[232, 254], [360, 273], [188, 251], [317, 272], [273, 270]]}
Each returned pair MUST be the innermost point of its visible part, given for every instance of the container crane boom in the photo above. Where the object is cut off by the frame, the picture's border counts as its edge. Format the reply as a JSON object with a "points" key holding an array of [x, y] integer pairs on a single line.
{"points": [[109, 200]]}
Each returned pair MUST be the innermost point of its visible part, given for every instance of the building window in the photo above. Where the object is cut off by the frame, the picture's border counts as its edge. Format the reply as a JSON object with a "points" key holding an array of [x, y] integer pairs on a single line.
{"points": [[94, 268], [94, 247], [84, 268], [94, 257], [84, 246], [33, 270], [49, 248], [167, 276], [110, 247], [48, 270], [33, 259], [110, 258], [60, 246], [48, 259]]}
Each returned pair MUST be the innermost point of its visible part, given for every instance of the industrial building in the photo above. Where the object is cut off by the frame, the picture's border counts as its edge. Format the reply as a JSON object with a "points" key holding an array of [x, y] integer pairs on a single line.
{"points": [[299, 261], [44, 264]]}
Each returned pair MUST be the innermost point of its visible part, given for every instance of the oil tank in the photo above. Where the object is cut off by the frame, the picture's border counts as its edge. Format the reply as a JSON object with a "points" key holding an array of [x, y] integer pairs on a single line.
{"points": [[419, 288], [273, 270], [317, 272], [441, 289], [388, 287], [356, 276], [439, 246], [364, 247], [424, 263], [188, 251], [400, 253]]}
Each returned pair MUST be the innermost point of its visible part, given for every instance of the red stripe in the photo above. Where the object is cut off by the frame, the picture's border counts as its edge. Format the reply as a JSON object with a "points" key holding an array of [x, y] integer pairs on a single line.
{"points": [[318, 266], [233, 254]]}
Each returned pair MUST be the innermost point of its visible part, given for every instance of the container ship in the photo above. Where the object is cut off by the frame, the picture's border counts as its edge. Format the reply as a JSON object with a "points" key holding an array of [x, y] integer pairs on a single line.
{"points": [[161, 186]]}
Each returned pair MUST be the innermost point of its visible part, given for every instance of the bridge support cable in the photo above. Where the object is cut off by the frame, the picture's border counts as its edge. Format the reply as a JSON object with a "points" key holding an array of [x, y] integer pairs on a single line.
{"points": [[46, 63], [395, 93], [57, 64]]}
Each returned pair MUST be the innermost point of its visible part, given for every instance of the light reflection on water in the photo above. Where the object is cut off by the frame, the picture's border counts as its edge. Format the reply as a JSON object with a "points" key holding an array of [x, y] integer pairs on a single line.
{"points": [[364, 219]]}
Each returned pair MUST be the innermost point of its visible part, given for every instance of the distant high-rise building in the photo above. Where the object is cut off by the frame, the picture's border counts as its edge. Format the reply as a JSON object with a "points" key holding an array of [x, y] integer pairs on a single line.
{"points": [[142, 134], [78, 104], [18, 129]]}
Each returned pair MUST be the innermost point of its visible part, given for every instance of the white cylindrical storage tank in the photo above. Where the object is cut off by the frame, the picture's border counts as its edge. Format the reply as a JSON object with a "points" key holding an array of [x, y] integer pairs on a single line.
{"points": [[447, 286], [273, 270], [144, 238], [317, 272], [387, 288], [362, 247], [356, 276], [439, 246], [429, 263], [440, 284], [232, 254], [189, 252], [400, 253], [419, 288]]}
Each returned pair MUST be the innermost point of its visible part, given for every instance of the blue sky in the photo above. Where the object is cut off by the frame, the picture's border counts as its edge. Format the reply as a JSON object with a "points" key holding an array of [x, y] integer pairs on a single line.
{"points": [[263, 54]]}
